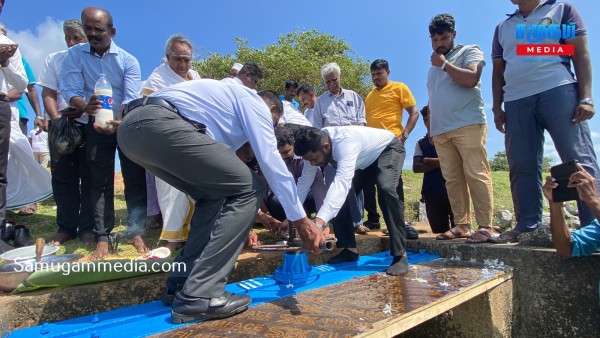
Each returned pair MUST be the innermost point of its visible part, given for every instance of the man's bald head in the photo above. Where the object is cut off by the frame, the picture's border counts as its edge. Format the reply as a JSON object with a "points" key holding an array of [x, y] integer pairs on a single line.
{"points": [[99, 13]]}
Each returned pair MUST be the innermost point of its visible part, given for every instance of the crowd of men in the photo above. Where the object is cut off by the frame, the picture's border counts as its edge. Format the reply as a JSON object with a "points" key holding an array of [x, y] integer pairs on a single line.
{"points": [[204, 159]]}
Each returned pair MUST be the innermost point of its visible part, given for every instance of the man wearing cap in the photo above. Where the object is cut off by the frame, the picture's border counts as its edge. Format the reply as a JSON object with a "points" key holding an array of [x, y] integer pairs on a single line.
{"points": [[235, 69]]}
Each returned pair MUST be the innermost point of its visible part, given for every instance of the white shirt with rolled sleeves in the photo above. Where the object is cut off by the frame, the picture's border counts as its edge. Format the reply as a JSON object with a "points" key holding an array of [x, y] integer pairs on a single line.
{"points": [[50, 78], [234, 115], [14, 73], [353, 148]]}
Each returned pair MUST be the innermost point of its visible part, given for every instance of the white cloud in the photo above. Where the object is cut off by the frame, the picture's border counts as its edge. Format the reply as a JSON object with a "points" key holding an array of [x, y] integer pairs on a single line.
{"points": [[35, 45]]}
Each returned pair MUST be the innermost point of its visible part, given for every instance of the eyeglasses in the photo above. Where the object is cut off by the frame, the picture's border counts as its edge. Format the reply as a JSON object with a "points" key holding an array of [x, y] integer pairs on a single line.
{"points": [[179, 58], [255, 80]]}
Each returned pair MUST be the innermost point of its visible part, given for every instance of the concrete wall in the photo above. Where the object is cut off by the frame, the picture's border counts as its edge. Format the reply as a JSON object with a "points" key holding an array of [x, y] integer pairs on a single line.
{"points": [[553, 296], [488, 315]]}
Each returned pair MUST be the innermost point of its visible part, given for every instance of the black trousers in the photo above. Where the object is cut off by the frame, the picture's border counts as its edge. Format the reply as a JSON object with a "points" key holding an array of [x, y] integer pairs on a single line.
{"points": [[385, 173], [100, 154], [276, 209], [4, 144], [439, 213], [71, 186]]}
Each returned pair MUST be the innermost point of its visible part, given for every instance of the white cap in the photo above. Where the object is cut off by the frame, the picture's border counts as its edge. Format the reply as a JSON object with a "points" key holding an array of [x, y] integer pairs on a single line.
{"points": [[237, 66]]}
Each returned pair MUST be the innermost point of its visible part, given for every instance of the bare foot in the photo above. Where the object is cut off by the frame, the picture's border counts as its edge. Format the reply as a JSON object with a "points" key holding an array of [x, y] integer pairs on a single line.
{"points": [[87, 239], [138, 242], [101, 251], [175, 245], [58, 239]]}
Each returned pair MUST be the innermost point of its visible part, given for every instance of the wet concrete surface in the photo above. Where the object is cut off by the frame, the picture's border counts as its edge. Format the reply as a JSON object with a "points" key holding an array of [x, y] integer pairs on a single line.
{"points": [[351, 308]]}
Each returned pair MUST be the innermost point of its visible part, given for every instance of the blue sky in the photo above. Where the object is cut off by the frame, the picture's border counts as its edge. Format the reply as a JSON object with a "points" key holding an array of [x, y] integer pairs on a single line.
{"points": [[393, 30]]}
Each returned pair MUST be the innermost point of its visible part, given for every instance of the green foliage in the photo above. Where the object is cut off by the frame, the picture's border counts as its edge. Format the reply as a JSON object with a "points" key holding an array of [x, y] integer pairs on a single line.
{"points": [[299, 56], [500, 162]]}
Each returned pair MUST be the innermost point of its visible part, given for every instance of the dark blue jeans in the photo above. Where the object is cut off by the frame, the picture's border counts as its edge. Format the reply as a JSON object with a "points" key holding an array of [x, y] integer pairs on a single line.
{"points": [[526, 120]]}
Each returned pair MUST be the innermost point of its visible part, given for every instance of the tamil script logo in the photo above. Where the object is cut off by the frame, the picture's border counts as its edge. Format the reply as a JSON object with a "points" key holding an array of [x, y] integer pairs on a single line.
{"points": [[534, 34]]}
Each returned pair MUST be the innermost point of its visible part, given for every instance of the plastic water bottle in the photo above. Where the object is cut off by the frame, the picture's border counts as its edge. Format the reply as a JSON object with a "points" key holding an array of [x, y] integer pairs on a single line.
{"points": [[104, 91]]}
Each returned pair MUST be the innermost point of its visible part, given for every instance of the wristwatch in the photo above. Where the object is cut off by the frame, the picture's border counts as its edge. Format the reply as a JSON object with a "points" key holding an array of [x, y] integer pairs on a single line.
{"points": [[443, 67], [405, 134], [588, 101]]}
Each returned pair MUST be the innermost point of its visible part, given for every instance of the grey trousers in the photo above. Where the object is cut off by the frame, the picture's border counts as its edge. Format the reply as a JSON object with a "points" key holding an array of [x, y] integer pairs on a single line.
{"points": [[226, 192]]}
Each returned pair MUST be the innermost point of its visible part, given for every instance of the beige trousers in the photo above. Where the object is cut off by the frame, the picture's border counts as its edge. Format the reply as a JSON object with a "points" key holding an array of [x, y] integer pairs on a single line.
{"points": [[465, 166], [42, 158]]}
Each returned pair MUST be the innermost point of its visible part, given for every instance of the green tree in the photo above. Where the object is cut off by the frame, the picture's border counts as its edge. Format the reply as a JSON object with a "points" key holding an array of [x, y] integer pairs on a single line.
{"points": [[299, 56], [500, 162]]}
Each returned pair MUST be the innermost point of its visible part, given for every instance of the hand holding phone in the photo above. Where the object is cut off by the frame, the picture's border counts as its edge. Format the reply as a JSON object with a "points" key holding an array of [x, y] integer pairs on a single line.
{"points": [[561, 173]]}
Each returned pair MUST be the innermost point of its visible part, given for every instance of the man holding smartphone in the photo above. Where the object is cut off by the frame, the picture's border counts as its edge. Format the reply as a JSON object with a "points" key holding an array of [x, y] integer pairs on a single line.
{"points": [[586, 240]]}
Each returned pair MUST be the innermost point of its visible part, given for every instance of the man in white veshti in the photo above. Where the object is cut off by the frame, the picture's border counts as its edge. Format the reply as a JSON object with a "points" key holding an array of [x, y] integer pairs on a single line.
{"points": [[175, 206]]}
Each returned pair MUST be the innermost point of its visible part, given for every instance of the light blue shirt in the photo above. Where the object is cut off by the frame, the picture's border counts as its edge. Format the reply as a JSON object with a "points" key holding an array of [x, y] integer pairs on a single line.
{"points": [[234, 114], [586, 240], [82, 68], [452, 105], [346, 109]]}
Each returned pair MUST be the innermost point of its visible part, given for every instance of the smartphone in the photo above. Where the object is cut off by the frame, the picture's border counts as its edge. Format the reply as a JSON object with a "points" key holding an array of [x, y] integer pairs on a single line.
{"points": [[561, 174]]}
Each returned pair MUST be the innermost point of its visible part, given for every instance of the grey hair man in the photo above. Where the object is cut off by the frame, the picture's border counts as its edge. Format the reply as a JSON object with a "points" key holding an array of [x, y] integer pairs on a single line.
{"points": [[73, 205], [338, 107]]}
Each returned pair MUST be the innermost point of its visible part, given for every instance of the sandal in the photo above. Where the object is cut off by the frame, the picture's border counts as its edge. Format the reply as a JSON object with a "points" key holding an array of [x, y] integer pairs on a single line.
{"points": [[511, 236], [455, 233], [480, 236], [28, 210]]}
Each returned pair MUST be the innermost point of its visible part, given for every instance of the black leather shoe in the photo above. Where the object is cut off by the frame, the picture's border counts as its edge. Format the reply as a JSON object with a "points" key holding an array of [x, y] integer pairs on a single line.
{"points": [[7, 231], [344, 256], [174, 285], [22, 237], [187, 309]]}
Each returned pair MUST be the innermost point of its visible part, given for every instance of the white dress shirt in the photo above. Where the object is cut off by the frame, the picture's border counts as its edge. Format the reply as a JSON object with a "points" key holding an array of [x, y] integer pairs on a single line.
{"points": [[163, 76], [14, 73], [50, 79], [353, 148], [291, 115], [234, 115]]}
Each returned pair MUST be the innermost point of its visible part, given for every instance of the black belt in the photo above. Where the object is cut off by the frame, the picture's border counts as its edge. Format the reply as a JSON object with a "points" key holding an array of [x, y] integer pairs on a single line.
{"points": [[157, 101]]}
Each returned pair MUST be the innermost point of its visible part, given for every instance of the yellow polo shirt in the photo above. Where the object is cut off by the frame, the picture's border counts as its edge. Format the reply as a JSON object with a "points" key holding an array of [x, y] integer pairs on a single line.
{"points": [[384, 108]]}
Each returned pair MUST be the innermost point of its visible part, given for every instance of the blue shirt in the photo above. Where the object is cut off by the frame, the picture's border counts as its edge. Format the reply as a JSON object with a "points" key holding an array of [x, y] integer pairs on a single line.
{"points": [[586, 240], [82, 68], [294, 102], [22, 102]]}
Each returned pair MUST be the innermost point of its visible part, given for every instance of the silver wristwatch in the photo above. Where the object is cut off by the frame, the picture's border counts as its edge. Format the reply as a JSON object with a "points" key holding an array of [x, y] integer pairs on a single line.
{"points": [[588, 101]]}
